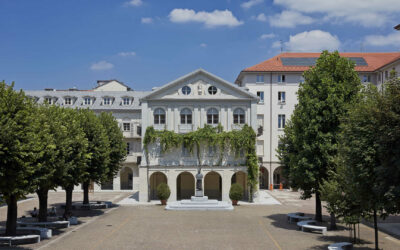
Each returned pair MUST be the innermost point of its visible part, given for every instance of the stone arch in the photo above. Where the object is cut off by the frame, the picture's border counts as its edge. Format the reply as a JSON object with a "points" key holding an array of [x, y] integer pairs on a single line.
{"points": [[213, 185], [185, 186], [264, 178], [278, 178], [156, 179], [240, 177], [126, 178]]}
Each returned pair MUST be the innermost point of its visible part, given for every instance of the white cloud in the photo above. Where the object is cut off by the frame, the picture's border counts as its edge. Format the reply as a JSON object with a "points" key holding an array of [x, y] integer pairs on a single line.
{"points": [[251, 3], [210, 19], [129, 53], [392, 39], [203, 45], [102, 65], [134, 3], [261, 17], [365, 12], [147, 20], [312, 41], [276, 44], [289, 19], [267, 36]]}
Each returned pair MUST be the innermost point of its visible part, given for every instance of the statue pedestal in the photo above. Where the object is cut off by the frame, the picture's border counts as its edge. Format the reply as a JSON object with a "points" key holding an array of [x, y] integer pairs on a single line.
{"points": [[199, 193], [199, 203]]}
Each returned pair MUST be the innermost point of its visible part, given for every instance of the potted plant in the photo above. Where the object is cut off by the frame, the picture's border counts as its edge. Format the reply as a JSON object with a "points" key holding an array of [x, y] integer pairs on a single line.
{"points": [[236, 193], [163, 193]]}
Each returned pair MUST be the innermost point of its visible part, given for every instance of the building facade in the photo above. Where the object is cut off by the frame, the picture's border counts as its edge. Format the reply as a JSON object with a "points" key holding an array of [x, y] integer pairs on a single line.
{"points": [[276, 81], [263, 96]]}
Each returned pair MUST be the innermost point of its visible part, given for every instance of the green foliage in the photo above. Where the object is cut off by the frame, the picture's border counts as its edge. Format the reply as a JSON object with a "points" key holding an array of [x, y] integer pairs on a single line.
{"points": [[310, 143], [236, 140], [236, 192], [17, 142], [117, 145], [163, 191], [96, 168]]}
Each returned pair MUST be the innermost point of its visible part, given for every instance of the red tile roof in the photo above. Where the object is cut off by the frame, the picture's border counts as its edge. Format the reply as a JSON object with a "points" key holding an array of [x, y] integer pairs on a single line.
{"points": [[374, 61]]}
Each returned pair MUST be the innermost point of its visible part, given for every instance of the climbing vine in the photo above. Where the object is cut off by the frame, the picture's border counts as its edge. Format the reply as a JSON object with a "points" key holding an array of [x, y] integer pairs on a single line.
{"points": [[235, 140]]}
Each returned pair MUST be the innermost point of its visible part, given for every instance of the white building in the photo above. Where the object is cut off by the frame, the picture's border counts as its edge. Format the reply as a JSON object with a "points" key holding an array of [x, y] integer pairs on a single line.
{"points": [[264, 98], [276, 82], [185, 105], [124, 103]]}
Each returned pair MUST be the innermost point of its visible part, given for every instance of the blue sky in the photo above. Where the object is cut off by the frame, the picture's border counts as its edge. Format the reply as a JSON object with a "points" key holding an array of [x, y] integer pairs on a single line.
{"points": [[147, 43]]}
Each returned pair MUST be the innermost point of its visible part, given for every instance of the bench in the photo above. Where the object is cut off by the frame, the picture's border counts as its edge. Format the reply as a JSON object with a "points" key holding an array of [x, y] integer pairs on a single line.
{"points": [[341, 245], [311, 225], [45, 233], [295, 217], [49, 224], [23, 239]]}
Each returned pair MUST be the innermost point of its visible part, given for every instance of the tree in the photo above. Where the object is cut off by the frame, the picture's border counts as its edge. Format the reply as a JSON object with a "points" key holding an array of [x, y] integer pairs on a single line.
{"points": [[76, 157], [51, 137], [309, 144], [388, 172], [17, 145], [117, 145], [96, 169], [359, 156]]}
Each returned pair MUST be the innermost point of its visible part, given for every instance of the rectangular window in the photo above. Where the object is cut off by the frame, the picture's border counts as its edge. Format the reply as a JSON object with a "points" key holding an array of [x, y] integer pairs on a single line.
{"points": [[107, 101], [386, 74], [128, 148], [366, 78], [260, 78], [212, 150], [281, 121], [379, 77], [48, 100], [281, 78], [126, 101], [260, 95], [68, 101], [87, 100], [139, 130], [282, 96], [301, 79], [260, 147], [127, 126], [185, 151]]}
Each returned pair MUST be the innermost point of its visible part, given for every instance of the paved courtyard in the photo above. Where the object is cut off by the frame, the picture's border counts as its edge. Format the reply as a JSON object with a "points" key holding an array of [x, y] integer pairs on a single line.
{"points": [[151, 227]]}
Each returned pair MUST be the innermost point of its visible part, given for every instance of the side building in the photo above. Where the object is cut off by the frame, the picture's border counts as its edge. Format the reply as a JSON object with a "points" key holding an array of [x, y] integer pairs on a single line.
{"points": [[124, 103], [276, 81], [182, 106]]}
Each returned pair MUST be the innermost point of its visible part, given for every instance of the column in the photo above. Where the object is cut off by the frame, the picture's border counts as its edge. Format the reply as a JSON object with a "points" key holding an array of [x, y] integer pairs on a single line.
{"points": [[143, 184], [172, 175]]}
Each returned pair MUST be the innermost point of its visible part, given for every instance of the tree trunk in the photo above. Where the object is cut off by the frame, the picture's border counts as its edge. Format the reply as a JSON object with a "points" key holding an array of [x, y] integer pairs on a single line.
{"points": [[376, 230], [333, 222], [86, 192], [68, 200], [318, 208], [42, 194], [12, 209], [354, 234]]}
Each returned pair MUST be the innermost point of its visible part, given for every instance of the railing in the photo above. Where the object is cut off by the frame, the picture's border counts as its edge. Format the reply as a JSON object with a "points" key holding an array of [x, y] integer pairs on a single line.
{"points": [[237, 126], [159, 126], [185, 128]]}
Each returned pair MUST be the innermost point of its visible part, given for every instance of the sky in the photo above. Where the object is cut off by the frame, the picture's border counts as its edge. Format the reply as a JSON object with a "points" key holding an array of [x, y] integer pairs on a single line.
{"points": [[148, 43]]}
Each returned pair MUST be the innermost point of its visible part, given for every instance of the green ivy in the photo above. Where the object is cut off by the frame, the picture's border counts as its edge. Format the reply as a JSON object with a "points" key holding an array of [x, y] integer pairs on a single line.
{"points": [[236, 140]]}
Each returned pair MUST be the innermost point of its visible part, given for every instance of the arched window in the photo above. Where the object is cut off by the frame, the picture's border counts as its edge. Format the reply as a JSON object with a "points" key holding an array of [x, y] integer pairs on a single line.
{"points": [[212, 116], [159, 116], [186, 116], [238, 116]]}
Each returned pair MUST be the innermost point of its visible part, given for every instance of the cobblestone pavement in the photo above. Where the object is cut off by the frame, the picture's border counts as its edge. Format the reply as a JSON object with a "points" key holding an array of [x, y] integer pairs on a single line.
{"points": [[247, 227]]}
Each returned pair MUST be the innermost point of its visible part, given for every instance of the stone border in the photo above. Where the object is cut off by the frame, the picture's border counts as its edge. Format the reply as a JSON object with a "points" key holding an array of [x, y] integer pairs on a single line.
{"points": [[18, 240]]}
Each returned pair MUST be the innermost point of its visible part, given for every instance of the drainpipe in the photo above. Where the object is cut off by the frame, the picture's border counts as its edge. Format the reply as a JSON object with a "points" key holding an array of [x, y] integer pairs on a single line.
{"points": [[270, 134]]}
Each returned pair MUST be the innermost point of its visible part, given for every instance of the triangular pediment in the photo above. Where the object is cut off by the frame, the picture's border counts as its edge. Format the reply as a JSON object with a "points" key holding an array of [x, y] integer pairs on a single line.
{"points": [[199, 84]]}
